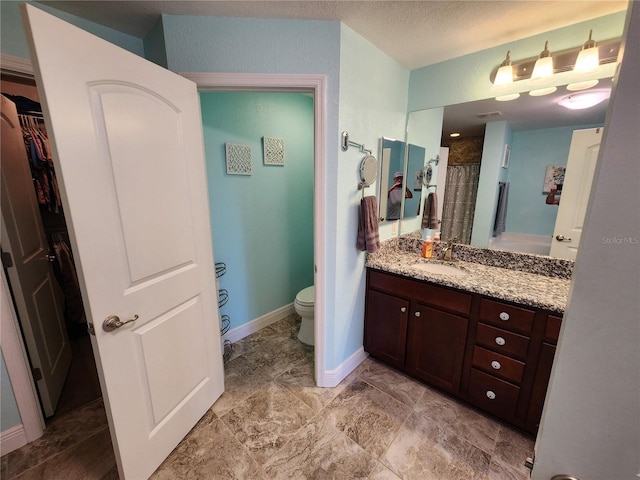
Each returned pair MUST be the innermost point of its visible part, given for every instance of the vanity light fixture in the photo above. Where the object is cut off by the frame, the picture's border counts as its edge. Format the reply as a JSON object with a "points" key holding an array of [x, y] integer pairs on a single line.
{"points": [[454, 134], [578, 67], [582, 100]]}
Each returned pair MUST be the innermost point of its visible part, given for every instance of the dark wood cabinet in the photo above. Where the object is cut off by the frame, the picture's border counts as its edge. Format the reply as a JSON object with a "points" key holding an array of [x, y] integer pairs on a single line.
{"points": [[436, 345], [417, 327], [493, 354], [385, 334]]}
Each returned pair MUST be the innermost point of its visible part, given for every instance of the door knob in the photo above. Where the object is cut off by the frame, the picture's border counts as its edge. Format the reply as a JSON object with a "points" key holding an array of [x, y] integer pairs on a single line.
{"points": [[562, 238], [113, 321]]}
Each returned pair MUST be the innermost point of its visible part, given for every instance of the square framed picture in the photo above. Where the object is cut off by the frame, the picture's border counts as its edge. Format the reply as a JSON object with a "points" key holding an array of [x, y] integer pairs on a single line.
{"points": [[273, 151], [238, 159], [506, 155]]}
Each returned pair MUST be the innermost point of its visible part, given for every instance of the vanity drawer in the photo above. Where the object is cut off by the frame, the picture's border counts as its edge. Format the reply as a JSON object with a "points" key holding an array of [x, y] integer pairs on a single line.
{"points": [[502, 341], [492, 394], [440, 297], [506, 316], [498, 365]]}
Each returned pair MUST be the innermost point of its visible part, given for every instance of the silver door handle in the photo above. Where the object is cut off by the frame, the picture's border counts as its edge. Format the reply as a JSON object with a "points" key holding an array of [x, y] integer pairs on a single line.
{"points": [[562, 238], [113, 321]]}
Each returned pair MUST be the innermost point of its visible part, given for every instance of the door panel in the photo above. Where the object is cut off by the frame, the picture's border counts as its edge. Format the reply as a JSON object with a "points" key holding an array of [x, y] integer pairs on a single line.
{"points": [[35, 290], [581, 167], [127, 138]]}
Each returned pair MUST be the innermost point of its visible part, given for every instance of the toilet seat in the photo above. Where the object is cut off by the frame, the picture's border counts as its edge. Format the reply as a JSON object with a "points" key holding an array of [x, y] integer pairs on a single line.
{"points": [[306, 297]]}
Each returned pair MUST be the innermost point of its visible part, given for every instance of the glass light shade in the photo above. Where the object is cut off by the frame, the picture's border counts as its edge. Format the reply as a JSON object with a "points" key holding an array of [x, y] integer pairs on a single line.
{"points": [[588, 61], [543, 68], [504, 76]]}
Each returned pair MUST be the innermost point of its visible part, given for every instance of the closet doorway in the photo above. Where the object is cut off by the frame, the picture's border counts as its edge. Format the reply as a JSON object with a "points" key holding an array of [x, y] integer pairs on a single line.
{"points": [[57, 341]]}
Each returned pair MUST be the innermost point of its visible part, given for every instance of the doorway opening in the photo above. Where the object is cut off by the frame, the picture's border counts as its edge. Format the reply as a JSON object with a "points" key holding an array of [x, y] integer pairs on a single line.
{"points": [[80, 384]]}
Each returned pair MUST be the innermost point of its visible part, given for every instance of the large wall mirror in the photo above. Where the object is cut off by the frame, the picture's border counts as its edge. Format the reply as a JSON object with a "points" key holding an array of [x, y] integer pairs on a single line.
{"points": [[535, 136]]}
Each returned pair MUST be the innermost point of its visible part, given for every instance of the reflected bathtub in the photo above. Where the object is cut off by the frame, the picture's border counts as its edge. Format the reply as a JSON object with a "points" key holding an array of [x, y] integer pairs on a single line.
{"points": [[522, 242]]}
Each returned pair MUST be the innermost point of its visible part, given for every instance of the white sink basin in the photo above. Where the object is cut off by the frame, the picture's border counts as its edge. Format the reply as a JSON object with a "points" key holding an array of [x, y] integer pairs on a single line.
{"points": [[439, 268]]}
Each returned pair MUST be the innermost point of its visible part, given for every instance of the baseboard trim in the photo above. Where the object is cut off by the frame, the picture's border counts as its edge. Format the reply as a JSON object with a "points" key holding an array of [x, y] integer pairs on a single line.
{"points": [[331, 378], [12, 439], [253, 326]]}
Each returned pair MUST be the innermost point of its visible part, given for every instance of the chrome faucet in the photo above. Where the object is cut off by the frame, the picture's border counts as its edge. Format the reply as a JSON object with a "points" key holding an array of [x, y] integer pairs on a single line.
{"points": [[447, 250]]}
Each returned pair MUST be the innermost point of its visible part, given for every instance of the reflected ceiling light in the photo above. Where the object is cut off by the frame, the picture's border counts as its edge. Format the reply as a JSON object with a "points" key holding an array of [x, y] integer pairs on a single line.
{"points": [[582, 100], [454, 135], [506, 98], [542, 91], [574, 87]]}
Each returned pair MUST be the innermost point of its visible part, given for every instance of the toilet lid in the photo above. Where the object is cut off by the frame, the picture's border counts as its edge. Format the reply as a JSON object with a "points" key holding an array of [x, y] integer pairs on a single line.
{"points": [[306, 296]]}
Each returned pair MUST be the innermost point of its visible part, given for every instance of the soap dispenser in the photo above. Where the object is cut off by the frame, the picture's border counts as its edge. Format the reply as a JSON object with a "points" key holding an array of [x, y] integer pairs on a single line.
{"points": [[427, 248]]}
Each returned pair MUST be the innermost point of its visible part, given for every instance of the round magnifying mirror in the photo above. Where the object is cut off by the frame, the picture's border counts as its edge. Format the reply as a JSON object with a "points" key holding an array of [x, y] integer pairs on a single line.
{"points": [[368, 170], [428, 173]]}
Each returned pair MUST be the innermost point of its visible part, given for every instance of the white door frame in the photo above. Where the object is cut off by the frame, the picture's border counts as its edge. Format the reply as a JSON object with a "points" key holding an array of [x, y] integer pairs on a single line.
{"points": [[284, 83]]}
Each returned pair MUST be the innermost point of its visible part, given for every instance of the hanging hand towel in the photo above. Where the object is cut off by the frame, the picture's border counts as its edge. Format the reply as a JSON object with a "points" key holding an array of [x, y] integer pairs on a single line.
{"points": [[430, 212], [368, 236]]}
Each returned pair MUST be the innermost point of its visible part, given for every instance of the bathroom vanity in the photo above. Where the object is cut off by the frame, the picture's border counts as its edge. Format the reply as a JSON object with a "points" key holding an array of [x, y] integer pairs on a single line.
{"points": [[486, 336]]}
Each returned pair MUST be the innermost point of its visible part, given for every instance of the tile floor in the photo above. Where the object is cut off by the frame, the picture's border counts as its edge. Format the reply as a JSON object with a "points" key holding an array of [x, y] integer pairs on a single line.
{"points": [[273, 423]]}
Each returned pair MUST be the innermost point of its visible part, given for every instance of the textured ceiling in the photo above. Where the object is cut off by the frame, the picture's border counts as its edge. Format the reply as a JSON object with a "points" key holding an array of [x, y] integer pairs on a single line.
{"points": [[415, 33]]}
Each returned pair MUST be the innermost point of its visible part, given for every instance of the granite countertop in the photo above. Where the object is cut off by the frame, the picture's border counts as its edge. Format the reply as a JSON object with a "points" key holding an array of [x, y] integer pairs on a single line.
{"points": [[530, 289]]}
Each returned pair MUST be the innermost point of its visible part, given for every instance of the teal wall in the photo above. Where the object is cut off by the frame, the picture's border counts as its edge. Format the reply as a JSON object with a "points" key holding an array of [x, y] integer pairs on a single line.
{"points": [[531, 152], [373, 104], [262, 223], [9, 416], [154, 46], [13, 41]]}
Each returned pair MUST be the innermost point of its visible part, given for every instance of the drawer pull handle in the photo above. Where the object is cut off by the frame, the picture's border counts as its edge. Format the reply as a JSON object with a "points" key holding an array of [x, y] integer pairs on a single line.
{"points": [[496, 365], [491, 395], [500, 341], [417, 314], [403, 309], [504, 316]]}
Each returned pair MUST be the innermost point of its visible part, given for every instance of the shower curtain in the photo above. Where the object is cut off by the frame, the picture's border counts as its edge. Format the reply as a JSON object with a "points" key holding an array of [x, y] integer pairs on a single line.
{"points": [[460, 202]]}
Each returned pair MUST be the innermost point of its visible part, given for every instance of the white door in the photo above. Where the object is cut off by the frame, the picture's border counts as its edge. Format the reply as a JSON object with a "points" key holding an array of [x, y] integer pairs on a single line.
{"points": [[581, 165], [35, 290], [128, 148]]}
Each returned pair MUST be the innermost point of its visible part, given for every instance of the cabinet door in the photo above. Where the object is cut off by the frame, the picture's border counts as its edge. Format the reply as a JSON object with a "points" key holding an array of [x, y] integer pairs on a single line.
{"points": [[385, 328], [545, 362], [436, 347]]}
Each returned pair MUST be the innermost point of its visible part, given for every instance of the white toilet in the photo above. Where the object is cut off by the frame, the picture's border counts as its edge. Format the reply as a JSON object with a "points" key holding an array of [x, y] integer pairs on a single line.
{"points": [[304, 303]]}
